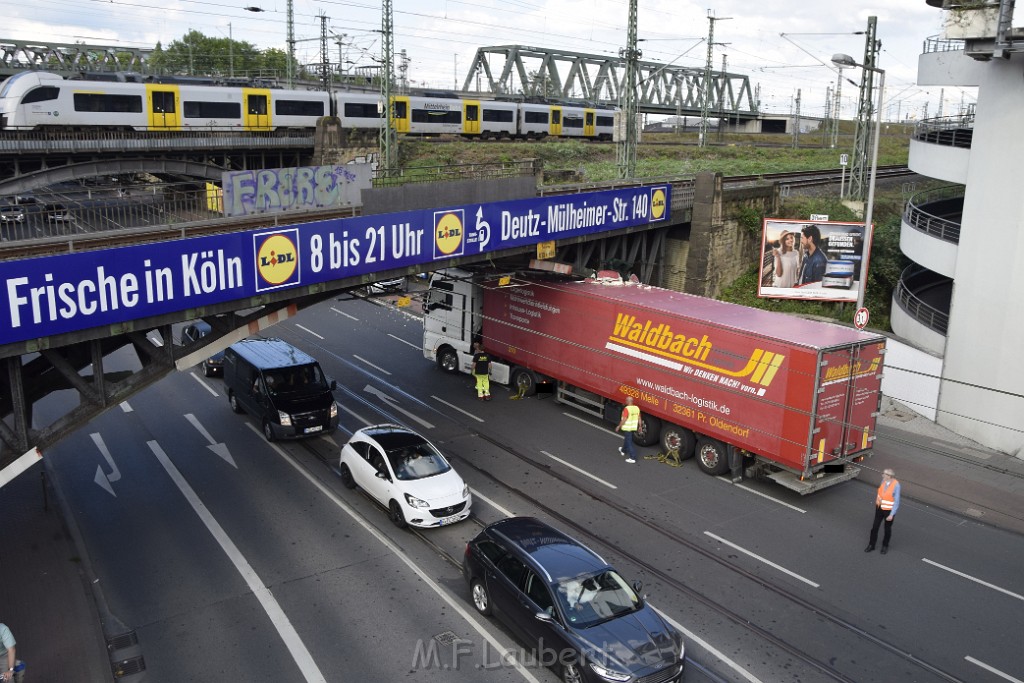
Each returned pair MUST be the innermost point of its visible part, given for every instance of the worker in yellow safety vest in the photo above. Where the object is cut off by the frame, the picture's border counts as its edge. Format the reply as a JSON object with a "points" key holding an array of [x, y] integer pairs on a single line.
{"points": [[628, 425], [887, 502]]}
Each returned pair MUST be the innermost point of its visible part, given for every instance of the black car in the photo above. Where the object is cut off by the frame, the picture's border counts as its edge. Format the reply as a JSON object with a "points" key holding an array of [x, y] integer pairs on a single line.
{"points": [[551, 590], [214, 365]]}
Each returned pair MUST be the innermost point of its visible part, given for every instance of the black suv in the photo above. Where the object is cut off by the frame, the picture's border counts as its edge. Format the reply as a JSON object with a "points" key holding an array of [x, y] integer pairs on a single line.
{"points": [[550, 589]]}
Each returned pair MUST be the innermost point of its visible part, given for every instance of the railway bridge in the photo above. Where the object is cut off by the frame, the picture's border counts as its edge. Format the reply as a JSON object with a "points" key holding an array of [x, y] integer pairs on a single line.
{"points": [[71, 301]]}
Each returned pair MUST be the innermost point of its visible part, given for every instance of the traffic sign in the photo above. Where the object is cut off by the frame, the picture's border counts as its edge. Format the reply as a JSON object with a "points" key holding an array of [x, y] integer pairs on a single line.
{"points": [[860, 318], [844, 159]]}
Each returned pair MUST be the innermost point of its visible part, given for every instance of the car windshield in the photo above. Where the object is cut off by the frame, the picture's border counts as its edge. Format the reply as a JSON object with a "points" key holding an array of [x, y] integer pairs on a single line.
{"points": [[416, 461], [297, 379], [590, 600]]}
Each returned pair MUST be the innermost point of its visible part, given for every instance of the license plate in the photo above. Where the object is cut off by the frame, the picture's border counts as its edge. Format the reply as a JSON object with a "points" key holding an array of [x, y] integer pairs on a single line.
{"points": [[449, 520], [313, 430]]}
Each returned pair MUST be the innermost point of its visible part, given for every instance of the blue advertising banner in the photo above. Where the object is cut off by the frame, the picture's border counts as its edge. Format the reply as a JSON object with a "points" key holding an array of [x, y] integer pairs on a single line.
{"points": [[58, 294]]}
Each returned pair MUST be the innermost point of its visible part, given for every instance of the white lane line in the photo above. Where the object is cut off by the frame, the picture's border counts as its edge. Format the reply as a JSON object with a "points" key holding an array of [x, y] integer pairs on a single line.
{"points": [[203, 384], [758, 557], [415, 346], [344, 313], [591, 424], [992, 669], [492, 503], [356, 415], [581, 471], [971, 578], [707, 646], [126, 406], [455, 407], [306, 329], [375, 367], [504, 654], [284, 627], [763, 495]]}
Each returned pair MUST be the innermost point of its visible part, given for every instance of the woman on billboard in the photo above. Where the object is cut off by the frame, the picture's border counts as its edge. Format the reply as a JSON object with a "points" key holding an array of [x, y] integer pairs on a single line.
{"points": [[787, 260]]}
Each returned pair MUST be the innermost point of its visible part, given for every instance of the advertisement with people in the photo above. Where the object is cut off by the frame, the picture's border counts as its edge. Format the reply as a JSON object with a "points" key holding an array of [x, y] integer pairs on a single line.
{"points": [[817, 260]]}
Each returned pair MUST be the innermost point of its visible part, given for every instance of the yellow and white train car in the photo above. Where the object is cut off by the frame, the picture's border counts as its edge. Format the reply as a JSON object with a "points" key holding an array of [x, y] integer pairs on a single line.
{"points": [[36, 100]]}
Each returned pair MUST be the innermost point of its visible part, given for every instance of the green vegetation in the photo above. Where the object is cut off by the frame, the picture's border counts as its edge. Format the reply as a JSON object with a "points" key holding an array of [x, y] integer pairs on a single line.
{"points": [[667, 155], [197, 53]]}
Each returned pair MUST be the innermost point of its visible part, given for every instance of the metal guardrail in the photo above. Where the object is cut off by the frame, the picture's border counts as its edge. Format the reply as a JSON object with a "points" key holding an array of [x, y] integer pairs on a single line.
{"points": [[917, 279], [955, 131], [917, 217], [939, 44], [28, 142]]}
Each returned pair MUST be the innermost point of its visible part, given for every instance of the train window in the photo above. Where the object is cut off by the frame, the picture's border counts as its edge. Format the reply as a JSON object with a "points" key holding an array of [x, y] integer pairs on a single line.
{"points": [[498, 115], [298, 108], [163, 102], [356, 110], [535, 116], [606, 121], [556, 117], [212, 110], [42, 94], [472, 112], [120, 104], [432, 116], [257, 105], [572, 122], [590, 118], [400, 110]]}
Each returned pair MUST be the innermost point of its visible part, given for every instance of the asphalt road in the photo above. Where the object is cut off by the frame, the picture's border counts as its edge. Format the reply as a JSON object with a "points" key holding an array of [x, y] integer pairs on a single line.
{"points": [[235, 559]]}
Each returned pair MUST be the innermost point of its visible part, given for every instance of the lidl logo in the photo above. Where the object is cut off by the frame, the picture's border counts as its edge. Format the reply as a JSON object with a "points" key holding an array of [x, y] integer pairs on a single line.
{"points": [[277, 259], [658, 204], [449, 230]]}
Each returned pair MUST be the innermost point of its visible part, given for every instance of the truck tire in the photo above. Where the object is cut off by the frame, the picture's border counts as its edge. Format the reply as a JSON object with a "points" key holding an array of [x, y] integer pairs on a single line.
{"points": [[647, 431], [681, 438], [712, 456], [448, 359], [524, 382], [235, 405]]}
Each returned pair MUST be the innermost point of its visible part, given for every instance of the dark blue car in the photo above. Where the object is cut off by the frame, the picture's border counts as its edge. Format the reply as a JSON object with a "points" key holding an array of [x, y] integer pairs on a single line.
{"points": [[553, 592], [214, 365]]}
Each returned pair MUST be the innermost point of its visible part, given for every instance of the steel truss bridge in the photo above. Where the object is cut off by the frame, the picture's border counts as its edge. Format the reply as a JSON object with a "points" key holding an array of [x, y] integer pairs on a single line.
{"points": [[504, 70], [517, 70]]}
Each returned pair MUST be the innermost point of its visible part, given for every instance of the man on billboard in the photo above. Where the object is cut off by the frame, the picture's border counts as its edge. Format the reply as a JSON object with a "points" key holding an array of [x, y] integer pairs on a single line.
{"points": [[814, 260]]}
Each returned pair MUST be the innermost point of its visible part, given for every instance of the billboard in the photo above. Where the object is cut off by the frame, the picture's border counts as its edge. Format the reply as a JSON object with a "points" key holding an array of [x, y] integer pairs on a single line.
{"points": [[815, 260], [52, 295]]}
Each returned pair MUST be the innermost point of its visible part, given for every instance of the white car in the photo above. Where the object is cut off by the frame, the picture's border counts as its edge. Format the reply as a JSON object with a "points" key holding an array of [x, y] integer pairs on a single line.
{"points": [[406, 474]]}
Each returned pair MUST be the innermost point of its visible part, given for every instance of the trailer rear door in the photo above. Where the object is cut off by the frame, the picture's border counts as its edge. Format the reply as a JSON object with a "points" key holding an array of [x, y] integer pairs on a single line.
{"points": [[849, 392]]}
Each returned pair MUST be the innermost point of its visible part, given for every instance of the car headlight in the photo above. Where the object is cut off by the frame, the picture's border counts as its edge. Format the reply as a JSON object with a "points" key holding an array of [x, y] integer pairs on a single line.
{"points": [[284, 418], [415, 502], [334, 409], [608, 674], [465, 491]]}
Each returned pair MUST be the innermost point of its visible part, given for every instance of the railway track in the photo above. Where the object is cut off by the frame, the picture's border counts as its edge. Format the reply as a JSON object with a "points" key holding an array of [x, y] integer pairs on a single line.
{"points": [[844, 627]]}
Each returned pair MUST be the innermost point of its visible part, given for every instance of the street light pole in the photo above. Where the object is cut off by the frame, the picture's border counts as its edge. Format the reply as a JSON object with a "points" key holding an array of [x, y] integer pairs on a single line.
{"points": [[842, 60]]}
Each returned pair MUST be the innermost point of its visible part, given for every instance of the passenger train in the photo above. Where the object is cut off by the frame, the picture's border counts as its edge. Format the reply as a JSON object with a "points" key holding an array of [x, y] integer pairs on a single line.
{"points": [[36, 100]]}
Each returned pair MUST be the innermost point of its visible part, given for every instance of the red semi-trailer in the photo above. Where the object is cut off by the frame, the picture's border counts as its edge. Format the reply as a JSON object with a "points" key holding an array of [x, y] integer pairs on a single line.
{"points": [[764, 393]]}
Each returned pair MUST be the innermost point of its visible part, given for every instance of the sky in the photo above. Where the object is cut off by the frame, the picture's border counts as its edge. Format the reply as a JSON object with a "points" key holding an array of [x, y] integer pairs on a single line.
{"points": [[782, 45]]}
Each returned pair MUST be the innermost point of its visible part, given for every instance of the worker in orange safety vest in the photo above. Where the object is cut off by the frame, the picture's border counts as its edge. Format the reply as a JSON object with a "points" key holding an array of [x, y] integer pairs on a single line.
{"points": [[887, 502]]}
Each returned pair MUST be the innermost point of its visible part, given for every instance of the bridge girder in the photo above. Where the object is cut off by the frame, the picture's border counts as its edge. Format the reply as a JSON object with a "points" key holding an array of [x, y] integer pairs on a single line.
{"points": [[599, 79], [68, 58], [90, 169]]}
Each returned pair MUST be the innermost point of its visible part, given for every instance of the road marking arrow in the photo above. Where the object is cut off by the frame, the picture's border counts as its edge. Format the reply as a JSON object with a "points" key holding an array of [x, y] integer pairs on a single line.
{"points": [[105, 480], [221, 449], [394, 405]]}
